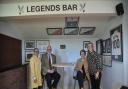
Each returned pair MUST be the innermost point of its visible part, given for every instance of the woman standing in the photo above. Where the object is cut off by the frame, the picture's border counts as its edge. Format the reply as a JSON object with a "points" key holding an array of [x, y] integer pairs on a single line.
{"points": [[95, 67], [82, 69], [35, 71]]}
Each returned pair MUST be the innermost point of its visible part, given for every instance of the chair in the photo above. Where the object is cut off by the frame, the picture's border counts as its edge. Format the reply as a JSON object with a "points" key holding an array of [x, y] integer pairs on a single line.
{"points": [[75, 78]]}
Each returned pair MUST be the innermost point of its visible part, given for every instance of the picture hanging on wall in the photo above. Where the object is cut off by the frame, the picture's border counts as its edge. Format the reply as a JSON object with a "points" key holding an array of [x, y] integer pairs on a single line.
{"points": [[117, 43], [54, 31], [99, 46], [29, 44], [63, 46], [107, 61], [85, 45], [28, 55], [71, 22], [87, 30], [108, 45], [71, 31], [42, 45], [104, 46]]}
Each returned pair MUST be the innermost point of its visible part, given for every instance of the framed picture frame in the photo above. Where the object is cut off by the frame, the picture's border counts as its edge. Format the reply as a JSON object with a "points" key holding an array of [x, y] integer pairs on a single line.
{"points": [[86, 30], [117, 43], [63, 46], [71, 22], [99, 46], [85, 43], [104, 46], [29, 44], [28, 55], [108, 45], [42, 45], [107, 61], [54, 31], [71, 31]]}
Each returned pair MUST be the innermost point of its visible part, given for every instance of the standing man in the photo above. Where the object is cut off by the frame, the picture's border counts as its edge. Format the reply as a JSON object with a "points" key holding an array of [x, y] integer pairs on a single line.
{"points": [[95, 67], [35, 71], [50, 73]]}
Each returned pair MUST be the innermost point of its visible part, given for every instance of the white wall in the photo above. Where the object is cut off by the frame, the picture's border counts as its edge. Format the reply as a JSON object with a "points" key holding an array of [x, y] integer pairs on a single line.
{"points": [[125, 36], [8, 29], [117, 75]]}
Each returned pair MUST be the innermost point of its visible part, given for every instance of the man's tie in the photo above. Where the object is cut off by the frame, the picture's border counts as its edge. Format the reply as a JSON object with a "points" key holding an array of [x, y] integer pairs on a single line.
{"points": [[50, 65]]}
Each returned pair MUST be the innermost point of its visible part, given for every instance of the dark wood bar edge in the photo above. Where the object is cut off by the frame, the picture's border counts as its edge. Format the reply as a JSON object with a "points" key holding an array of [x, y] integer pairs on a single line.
{"points": [[13, 67], [14, 77]]}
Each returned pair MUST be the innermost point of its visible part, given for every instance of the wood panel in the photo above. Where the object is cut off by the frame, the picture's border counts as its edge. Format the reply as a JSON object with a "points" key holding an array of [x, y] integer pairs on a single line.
{"points": [[15, 78], [10, 52]]}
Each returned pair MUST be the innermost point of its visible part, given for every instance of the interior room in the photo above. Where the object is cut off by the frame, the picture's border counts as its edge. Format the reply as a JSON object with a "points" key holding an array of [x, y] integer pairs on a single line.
{"points": [[67, 26]]}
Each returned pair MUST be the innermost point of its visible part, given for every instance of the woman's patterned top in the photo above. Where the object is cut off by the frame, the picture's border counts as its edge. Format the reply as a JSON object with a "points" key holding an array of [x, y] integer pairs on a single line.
{"points": [[94, 63]]}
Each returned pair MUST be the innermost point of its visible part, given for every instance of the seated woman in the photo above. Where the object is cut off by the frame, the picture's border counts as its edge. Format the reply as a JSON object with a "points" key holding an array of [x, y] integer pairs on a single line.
{"points": [[81, 68]]}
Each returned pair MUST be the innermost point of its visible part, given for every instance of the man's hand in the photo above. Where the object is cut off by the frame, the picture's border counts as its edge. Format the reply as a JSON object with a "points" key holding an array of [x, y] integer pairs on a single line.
{"points": [[50, 71]]}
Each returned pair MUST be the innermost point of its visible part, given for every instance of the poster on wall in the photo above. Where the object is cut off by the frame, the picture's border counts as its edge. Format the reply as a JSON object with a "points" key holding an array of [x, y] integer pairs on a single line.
{"points": [[117, 48]]}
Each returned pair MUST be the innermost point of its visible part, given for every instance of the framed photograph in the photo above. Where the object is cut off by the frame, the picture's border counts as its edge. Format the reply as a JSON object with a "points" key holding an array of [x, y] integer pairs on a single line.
{"points": [[85, 43], [99, 46], [117, 43], [54, 31], [71, 31], [28, 55], [87, 30], [71, 22], [108, 45], [63, 46], [104, 46], [29, 44], [107, 61], [42, 45]]}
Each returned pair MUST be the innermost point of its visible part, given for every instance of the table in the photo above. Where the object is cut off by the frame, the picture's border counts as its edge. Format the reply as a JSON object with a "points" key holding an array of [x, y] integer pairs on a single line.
{"points": [[63, 65]]}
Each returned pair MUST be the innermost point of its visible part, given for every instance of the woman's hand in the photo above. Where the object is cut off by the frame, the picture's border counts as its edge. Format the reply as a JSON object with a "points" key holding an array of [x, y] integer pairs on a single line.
{"points": [[97, 75], [81, 71], [35, 79]]}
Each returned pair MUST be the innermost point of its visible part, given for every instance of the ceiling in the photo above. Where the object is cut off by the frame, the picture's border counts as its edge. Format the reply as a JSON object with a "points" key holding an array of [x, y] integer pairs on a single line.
{"points": [[34, 27]]}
